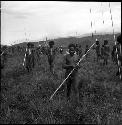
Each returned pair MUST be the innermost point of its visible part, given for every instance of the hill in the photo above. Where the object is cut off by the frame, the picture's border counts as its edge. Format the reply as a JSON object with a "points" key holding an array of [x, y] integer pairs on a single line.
{"points": [[81, 40]]}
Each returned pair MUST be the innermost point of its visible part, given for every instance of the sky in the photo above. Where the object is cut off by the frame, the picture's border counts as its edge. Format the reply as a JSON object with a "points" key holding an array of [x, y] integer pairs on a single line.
{"points": [[36, 20]]}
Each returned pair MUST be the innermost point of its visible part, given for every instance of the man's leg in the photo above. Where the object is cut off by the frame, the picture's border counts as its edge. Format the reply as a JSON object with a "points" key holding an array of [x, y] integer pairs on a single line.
{"points": [[68, 92], [75, 86], [52, 68], [30, 63]]}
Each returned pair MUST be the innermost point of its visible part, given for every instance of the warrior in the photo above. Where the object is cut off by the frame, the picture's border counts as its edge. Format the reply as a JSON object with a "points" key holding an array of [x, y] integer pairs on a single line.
{"points": [[61, 50], [98, 50], [113, 54], [29, 57], [69, 62], [51, 55], [106, 52], [102, 51], [3, 56]]}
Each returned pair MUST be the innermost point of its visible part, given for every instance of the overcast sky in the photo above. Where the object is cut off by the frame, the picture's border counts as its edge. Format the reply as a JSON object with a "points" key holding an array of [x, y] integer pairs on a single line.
{"points": [[39, 19]]}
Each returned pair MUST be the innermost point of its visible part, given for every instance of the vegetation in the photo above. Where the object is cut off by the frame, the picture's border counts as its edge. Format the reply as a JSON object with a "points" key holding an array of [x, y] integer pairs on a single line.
{"points": [[25, 96]]}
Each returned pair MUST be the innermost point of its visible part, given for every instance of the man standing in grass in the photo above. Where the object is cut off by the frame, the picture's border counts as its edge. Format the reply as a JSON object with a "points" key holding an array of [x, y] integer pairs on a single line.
{"points": [[3, 56], [51, 56], [98, 50], [69, 62], [61, 50], [29, 57], [106, 52]]}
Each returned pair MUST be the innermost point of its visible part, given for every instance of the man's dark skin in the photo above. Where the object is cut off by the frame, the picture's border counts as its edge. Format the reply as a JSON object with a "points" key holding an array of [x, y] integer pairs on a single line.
{"points": [[51, 56], [97, 50], [29, 57], [106, 52], [69, 62]]}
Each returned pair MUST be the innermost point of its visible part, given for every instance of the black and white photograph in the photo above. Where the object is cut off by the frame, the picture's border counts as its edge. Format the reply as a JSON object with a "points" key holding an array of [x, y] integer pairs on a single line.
{"points": [[61, 62]]}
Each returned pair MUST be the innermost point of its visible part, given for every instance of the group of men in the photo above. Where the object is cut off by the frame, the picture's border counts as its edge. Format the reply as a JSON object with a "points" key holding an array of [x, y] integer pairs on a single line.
{"points": [[71, 59], [102, 53], [29, 59]]}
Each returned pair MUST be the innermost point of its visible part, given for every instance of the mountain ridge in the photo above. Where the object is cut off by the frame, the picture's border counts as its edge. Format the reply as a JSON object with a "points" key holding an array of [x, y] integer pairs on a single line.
{"points": [[66, 40]]}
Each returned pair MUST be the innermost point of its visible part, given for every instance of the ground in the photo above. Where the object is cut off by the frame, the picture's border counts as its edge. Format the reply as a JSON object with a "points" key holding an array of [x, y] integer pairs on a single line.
{"points": [[25, 96]]}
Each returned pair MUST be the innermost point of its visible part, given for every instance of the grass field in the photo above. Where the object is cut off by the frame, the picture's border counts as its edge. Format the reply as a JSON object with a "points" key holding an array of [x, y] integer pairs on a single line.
{"points": [[25, 96]]}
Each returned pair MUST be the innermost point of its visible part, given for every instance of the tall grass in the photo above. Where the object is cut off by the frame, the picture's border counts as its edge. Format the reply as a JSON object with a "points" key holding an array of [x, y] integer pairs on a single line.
{"points": [[25, 96]]}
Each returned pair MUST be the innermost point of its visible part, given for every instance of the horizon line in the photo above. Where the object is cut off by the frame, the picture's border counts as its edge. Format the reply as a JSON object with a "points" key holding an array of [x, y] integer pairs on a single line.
{"points": [[78, 36]]}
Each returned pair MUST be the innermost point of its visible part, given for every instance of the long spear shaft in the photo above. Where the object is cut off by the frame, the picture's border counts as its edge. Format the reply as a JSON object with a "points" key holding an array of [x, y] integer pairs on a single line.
{"points": [[24, 57], [118, 62]]}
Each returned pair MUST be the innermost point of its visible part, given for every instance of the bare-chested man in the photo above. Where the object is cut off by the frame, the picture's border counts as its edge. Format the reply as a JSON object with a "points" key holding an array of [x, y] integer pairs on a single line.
{"points": [[106, 52], [69, 62], [51, 55]]}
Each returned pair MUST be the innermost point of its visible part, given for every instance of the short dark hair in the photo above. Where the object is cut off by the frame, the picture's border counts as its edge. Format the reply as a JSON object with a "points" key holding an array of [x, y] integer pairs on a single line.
{"points": [[71, 45], [105, 42], [51, 43], [97, 42], [30, 45]]}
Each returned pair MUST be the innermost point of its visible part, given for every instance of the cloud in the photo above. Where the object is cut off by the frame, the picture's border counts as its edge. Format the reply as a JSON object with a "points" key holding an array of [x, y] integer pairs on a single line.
{"points": [[54, 18]]}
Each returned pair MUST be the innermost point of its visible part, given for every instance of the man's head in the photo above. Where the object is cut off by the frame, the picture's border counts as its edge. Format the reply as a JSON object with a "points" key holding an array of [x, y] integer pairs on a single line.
{"points": [[105, 42], [71, 49], [51, 43], [97, 42], [30, 45]]}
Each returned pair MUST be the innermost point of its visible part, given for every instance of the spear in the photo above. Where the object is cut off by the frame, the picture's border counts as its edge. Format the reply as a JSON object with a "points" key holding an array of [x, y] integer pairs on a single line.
{"points": [[24, 57], [71, 72], [118, 62]]}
